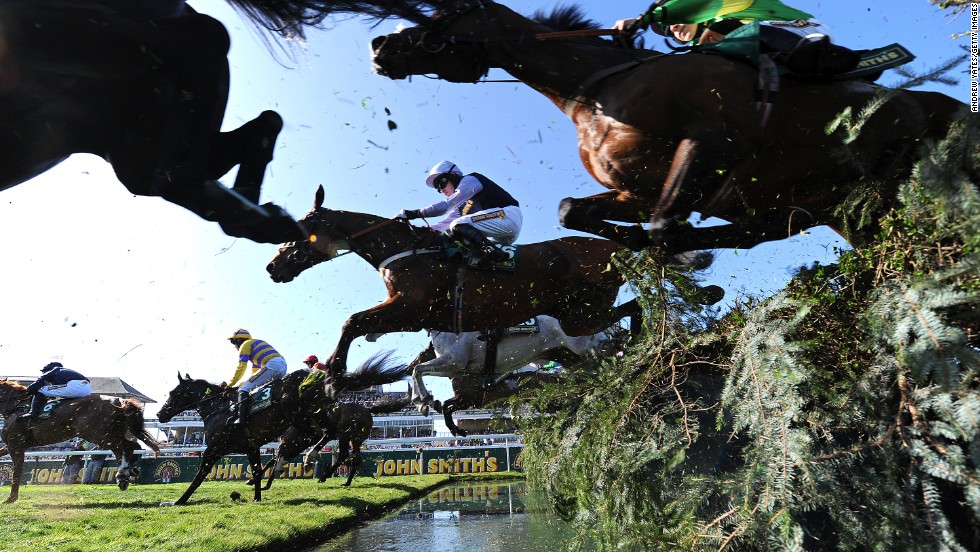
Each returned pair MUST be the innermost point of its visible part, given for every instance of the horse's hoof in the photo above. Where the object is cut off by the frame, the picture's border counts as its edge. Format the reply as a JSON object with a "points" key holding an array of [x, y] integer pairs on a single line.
{"points": [[276, 226], [709, 295]]}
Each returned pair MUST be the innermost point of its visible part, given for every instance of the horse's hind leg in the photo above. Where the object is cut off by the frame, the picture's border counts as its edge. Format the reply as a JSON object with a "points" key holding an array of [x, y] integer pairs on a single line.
{"points": [[354, 465]]}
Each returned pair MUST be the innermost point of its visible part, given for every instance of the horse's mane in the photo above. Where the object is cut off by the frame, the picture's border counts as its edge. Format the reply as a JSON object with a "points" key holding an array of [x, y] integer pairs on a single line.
{"points": [[565, 18], [13, 385], [130, 405]]}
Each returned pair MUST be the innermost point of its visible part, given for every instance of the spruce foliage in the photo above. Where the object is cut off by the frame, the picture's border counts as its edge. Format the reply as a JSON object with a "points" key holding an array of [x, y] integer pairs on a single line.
{"points": [[841, 414]]}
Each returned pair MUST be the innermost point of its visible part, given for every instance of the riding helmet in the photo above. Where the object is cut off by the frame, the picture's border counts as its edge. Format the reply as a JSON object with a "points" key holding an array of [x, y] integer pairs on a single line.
{"points": [[240, 334], [437, 175], [51, 366]]}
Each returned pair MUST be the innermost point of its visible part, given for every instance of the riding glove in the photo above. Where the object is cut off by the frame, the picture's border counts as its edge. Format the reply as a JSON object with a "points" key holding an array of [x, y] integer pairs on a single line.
{"points": [[408, 214]]}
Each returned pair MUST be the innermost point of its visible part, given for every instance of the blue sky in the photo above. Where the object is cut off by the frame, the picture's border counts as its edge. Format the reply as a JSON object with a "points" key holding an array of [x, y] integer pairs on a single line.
{"points": [[117, 285]]}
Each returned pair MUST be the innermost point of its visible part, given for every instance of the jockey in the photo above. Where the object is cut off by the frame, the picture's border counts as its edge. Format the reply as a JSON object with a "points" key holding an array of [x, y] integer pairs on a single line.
{"points": [[313, 363], [57, 381], [478, 212], [788, 36], [267, 365]]}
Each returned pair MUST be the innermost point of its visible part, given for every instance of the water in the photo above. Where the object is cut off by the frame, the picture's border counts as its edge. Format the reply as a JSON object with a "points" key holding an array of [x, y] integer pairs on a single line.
{"points": [[463, 518]]}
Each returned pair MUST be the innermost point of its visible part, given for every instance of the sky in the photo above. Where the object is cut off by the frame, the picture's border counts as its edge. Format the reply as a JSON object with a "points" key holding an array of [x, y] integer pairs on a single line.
{"points": [[117, 285]]}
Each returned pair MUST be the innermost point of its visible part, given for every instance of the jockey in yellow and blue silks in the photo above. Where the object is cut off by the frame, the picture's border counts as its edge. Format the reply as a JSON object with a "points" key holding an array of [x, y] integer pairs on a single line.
{"points": [[267, 365]]}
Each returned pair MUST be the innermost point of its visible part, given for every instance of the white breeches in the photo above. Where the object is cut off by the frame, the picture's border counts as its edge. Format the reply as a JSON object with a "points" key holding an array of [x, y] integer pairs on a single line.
{"points": [[71, 390], [501, 229]]}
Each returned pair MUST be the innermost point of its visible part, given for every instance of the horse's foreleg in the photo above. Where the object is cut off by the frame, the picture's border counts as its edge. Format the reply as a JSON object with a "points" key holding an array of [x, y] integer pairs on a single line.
{"points": [[448, 408], [590, 214], [255, 460], [249, 146], [208, 459], [393, 315], [18, 459]]}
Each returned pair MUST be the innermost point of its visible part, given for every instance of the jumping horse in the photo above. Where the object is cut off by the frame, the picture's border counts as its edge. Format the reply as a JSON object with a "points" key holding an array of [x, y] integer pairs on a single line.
{"points": [[569, 278], [670, 135], [286, 410], [349, 423], [470, 391], [114, 425], [142, 84]]}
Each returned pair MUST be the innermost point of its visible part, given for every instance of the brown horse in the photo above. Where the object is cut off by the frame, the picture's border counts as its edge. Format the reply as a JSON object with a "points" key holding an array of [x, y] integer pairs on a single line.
{"points": [[286, 409], [349, 423], [569, 279], [111, 424], [670, 135]]}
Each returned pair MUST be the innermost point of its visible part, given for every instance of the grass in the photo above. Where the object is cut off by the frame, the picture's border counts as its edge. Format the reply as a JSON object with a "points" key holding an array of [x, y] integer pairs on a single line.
{"points": [[291, 515]]}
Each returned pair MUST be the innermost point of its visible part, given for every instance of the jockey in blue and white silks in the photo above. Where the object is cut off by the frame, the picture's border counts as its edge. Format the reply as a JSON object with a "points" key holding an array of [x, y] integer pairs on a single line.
{"points": [[57, 381], [477, 211]]}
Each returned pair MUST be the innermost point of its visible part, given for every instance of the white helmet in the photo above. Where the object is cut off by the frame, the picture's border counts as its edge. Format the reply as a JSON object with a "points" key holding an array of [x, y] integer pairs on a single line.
{"points": [[441, 168]]}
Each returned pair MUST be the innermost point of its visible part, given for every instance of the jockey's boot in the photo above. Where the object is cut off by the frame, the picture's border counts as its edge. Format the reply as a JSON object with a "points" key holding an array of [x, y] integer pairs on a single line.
{"points": [[244, 403], [482, 249], [37, 403]]}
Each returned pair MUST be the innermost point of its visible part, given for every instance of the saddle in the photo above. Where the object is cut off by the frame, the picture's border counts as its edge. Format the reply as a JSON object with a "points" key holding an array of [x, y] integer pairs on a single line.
{"points": [[261, 397], [452, 250], [816, 60]]}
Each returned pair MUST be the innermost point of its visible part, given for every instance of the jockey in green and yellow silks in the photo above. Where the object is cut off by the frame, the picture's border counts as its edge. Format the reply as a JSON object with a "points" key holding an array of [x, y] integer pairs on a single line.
{"points": [[788, 36], [267, 365]]}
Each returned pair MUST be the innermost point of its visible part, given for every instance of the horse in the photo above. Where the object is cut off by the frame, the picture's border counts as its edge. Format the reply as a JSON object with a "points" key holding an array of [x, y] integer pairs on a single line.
{"points": [[349, 423], [465, 354], [286, 409], [114, 425], [568, 278], [144, 85], [470, 391], [666, 150]]}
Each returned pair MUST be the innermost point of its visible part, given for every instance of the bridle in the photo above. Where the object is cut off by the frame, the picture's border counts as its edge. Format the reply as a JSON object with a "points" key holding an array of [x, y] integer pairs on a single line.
{"points": [[305, 249], [208, 396]]}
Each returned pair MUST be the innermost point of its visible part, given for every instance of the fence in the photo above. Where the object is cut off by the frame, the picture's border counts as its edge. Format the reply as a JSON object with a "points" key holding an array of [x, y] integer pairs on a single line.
{"points": [[405, 456]]}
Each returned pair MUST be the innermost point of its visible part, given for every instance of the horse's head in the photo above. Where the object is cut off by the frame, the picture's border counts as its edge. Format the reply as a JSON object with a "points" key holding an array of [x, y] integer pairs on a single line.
{"points": [[325, 242], [11, 389], [188, 394], [462, 40], [449, 45]]}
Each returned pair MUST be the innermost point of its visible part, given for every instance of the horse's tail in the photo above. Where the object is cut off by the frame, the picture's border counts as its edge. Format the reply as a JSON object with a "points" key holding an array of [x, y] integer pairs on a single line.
{"points": [[135, 424], [377, 370], [390, 404]]}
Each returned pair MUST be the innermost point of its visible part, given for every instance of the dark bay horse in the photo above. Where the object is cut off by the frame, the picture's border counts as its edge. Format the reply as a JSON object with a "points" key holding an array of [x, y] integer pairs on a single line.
{"points": [[349, 423], [470, 391], [569, 278], [142, 84], [114, 425], [286, 410], [674, 134]]}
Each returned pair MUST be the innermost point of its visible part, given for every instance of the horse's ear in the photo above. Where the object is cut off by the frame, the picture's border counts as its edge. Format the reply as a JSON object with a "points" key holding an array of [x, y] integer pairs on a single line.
{"points": [[318, 201]]}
